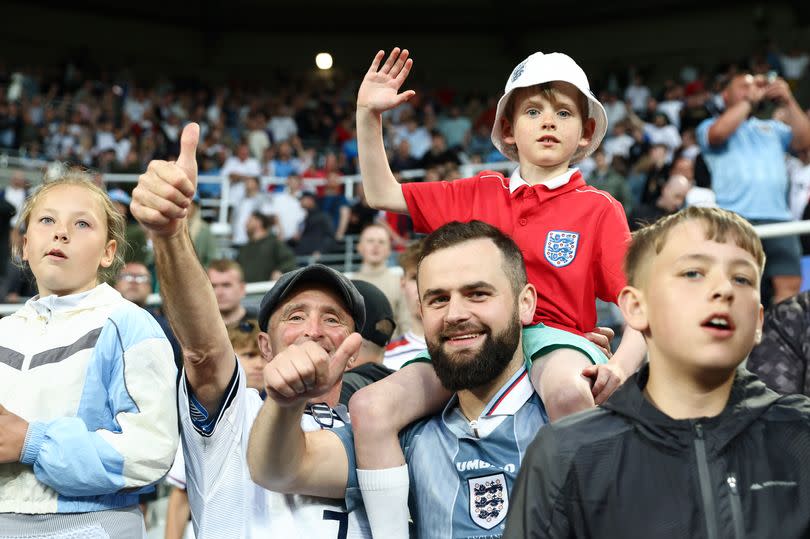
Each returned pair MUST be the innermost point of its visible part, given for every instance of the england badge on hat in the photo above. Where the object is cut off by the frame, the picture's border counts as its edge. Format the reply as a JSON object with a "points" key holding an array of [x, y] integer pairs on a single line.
{"points": [[561, 247], [489, 500]]}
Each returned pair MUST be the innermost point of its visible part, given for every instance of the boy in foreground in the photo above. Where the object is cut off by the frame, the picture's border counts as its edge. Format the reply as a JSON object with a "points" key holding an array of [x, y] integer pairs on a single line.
{"points": [[692, 445]]}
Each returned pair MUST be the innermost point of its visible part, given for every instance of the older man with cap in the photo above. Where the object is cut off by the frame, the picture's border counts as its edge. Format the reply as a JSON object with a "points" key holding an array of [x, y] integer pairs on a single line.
{"points": [[314, 310]]}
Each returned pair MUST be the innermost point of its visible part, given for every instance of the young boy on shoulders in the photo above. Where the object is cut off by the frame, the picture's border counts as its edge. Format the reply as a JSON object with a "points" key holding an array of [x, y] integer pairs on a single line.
{"points": [[573, 238], [695, 445]]}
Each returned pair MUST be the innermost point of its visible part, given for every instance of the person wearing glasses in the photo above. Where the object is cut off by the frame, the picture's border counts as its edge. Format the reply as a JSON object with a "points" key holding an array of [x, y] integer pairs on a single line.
{"points": [[134, 282], [463, 461], [314, 308]]}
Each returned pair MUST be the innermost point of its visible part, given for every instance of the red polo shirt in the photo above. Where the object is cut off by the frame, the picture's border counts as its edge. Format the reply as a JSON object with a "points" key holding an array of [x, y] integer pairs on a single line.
{"points": [[573, 237]]}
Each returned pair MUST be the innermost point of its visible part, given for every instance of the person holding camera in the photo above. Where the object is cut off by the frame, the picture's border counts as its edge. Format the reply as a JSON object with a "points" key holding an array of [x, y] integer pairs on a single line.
{"points": [[745, 154]]}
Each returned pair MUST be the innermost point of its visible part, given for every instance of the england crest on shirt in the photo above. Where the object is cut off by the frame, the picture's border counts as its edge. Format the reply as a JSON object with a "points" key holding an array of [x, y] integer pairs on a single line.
{"points": [[561, 247], [489, 500]]}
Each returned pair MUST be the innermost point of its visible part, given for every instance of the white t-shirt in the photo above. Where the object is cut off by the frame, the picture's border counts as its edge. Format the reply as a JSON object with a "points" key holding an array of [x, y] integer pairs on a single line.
{"points": [[289, 212], [225, 502], [234, 165], [799, 175], [402, 350]]}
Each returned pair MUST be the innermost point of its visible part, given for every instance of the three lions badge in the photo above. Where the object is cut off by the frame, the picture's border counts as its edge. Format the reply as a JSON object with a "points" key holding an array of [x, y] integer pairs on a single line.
{"points": [[561, 247], [489, 500]]}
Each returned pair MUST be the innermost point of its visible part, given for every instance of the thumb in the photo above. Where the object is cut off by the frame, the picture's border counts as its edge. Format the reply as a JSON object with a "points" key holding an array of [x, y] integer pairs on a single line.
{"points": [[589, 371], [347, 349], [188, 151]]}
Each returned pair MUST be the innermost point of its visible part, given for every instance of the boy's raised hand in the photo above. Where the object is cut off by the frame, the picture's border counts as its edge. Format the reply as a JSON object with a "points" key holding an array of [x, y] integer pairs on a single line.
{"points": [[164, 192], [379, 90]]}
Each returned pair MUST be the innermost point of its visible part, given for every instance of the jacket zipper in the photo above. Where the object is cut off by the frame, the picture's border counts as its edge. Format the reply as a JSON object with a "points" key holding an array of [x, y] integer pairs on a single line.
{"points": [[705, 483], [736, 507]]}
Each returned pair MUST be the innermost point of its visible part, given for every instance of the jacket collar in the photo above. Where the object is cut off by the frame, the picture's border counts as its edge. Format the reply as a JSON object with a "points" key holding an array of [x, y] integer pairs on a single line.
{"points": [[748, 400]]}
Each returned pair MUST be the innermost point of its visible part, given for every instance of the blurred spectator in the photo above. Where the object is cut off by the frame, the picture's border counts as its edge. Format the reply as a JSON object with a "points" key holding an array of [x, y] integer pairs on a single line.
{"points": [[615, 109], [794, 65], [659, 131], [438, 155], [455, 127], [264, 257], [286, 208], [671, 199], [257, 138], [7, 213], [282, 125], [15, 193], [335, 204], [689, 146], [253, 200], [694, 110], [228, 282], [205, 243], [134, 282], [798, 169], [604, 177], [361, 214], [637, 93], [480, 148], [672, 105], [237, 169], [137, 243], [746, 158], [374, 247], [402, 158], [619, 142], [368, 366], [418, 137], [286, 161], [656, 172], [317, 235], [412, 340]]}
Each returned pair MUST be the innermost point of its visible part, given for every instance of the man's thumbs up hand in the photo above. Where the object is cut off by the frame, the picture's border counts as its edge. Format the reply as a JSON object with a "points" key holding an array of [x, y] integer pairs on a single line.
{"points": [[164, 192]]}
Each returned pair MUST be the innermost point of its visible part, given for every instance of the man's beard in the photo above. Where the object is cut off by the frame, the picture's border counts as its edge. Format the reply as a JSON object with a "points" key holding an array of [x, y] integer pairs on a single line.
{"points": [[457, 372]]}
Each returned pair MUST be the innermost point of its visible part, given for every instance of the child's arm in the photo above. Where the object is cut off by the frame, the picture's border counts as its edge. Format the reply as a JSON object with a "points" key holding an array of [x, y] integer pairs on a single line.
{"points": [[133, 381], [379, 92], [379, 411]]}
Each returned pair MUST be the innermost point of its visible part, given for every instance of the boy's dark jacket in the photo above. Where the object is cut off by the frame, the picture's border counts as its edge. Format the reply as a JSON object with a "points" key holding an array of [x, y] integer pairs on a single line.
{"points": [[626, 470]]}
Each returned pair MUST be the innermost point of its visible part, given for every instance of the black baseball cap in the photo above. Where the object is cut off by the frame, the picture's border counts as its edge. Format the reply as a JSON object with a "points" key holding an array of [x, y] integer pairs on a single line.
{"points": [[315, 273], [378, 308]]}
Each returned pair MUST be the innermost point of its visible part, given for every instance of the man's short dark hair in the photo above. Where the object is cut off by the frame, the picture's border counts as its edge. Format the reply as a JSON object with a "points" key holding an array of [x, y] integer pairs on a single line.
{"points": [[267, 221], [455, 233]]}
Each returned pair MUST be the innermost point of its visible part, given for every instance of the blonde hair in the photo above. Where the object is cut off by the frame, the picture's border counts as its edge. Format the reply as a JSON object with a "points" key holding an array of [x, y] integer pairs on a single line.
{"points": [[719, 225], [115, 222], [244, 335]]}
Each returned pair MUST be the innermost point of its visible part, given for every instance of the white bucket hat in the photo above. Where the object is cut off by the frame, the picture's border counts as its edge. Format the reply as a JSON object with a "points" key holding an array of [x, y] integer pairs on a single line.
{"points": [[538, 69]]}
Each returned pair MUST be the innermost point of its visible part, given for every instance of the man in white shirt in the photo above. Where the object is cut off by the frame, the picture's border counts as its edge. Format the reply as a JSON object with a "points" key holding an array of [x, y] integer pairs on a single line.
{"points": [[316, 308], [236, 169]]}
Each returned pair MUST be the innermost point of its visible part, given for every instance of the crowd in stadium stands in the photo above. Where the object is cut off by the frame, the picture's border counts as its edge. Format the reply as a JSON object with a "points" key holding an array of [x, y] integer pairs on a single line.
{"points": [[285, 151], [288, 159]]}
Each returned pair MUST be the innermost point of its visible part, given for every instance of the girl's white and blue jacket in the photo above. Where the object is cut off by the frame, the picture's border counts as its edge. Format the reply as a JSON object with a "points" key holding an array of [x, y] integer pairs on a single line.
{"points": [[94, 376]]}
